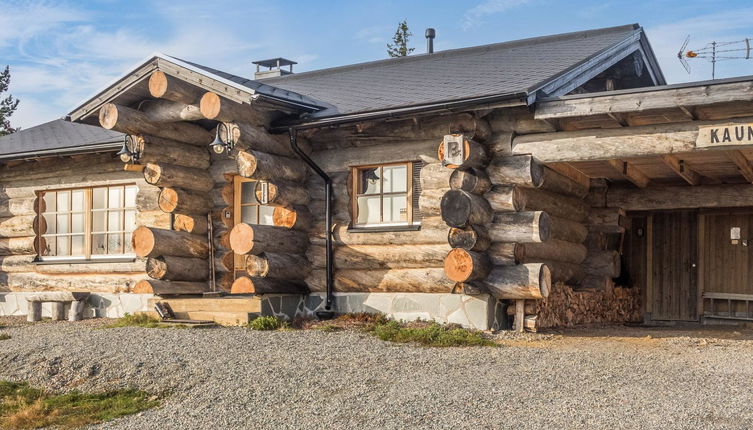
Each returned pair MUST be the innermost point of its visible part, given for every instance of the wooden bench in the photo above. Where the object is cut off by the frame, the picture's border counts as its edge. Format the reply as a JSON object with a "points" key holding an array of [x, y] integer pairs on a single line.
{"points": [[58, 300], [729, 314]]}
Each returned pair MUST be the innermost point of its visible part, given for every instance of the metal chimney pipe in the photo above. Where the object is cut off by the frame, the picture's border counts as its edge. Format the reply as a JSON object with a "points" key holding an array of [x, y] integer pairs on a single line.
{"points": [[430, 35]]}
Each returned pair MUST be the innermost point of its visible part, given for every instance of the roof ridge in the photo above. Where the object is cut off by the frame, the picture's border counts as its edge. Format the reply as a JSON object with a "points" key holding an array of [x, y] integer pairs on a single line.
{"points": [[417, 57]]}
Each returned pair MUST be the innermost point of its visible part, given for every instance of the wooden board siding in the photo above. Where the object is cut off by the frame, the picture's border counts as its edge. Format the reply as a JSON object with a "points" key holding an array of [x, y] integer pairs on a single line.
{"points": [[674, 293]]}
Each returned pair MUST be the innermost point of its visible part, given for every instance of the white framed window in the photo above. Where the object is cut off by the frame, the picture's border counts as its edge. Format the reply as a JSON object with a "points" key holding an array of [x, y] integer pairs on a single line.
{"points": [[86, 223], [385, 195]]}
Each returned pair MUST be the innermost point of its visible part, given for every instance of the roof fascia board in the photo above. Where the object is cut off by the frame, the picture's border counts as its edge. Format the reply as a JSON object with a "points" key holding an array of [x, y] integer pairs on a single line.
{"points": [[650, 58], [584, 72], [88, 149]]}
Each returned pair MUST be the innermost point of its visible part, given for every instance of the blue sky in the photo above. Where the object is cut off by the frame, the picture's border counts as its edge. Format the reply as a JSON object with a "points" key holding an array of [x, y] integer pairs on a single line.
{"points": [[61, 52]]}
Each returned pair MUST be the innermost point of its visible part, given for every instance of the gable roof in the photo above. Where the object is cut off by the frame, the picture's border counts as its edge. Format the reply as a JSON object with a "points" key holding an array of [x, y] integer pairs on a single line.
{"points": [[541, 66], [58, 137]]}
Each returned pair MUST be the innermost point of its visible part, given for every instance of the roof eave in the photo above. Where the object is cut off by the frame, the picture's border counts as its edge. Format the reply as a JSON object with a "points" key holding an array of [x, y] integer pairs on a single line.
{"points": [[59, 152]]}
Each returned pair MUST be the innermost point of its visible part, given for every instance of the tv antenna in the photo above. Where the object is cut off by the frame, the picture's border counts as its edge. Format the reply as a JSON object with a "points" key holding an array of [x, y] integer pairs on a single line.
{"points": [[715, 51]]}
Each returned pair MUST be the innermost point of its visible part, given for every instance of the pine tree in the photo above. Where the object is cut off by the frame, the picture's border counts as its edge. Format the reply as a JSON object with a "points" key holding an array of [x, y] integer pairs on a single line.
{"points": [[399, 45], [8, 105]]}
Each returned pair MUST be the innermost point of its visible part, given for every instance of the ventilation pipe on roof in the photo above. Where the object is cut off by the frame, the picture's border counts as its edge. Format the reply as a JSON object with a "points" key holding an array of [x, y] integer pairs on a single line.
{"points": [[430, 35]]}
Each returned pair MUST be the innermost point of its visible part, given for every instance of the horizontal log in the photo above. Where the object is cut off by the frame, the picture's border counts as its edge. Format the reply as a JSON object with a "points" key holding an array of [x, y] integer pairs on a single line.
{"points": [[472, 238], [156, 149], [560, 184], [20, 245], [607, 216], [524, 281], [247, 136], [429, 201], [196, 224], [163, 110], [223, 169], [565, 229], [435, 176], [431, 232], [384, 256], [523, 227], [169, 288], [431, 280], [215, 107], [617, 143], [521, 170], [21, 226], [20, 206], [529, 308], [174, 176], [457, 151], [569, 273], [278, 266], [500, 144], [17, 263], [474, 181], [172, 268], [555, 250], [460, 208], [183, 201], [254, 285], [156, 218], [462, 265], [131, 121], [162, 85], [136, 268], [555, 204], [503, 198], [255, 239], [281, 193], [603, 263], [684, 197], [260, 165], [90, 282], [506, 254], [155, 242], [295, 218]]}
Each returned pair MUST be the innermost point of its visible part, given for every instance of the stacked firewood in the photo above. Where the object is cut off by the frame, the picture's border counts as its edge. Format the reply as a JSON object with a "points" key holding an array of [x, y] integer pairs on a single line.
{"points": [[566, 307]]}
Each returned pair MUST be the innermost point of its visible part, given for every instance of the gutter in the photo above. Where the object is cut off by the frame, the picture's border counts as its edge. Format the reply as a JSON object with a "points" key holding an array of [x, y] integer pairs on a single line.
{"points": [[99, 147]]}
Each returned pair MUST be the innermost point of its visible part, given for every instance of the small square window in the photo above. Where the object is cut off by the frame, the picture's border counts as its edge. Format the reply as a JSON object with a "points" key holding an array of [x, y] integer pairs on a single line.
{"points": [[385, 195]]}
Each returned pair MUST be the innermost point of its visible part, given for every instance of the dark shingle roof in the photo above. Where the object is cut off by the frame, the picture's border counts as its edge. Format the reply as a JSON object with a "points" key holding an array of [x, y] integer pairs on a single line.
{"points": [[57, 136], [499, 69]]}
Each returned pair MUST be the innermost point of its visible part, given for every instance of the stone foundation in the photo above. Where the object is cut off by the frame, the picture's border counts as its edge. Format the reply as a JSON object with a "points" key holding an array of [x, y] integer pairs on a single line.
{"points": [[98, 305]]}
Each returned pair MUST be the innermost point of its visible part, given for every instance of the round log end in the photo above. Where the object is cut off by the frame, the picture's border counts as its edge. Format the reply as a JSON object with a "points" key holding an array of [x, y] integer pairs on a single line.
{"points": [[210, 105], [242, 285], [143, 287], [184, 223], [152, 173], [158, 84], [456, 208], [143, 241], [256, 265], [537, 173], [156, 267], [545, 223], [284, 217], [242, 238], [458, 265], [108, 116], [545, 280], [272, 191], [168, 200]]}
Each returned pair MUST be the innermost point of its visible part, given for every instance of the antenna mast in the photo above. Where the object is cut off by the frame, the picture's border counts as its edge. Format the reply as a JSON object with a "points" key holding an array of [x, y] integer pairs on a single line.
{"points": [[715, 51]]}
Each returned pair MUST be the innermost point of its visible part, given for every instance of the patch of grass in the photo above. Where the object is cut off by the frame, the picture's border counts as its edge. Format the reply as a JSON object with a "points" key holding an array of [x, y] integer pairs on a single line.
{"points": [[430, 334], [4, 336], [25, 407], [267, 324], [141, 320], [329, 328]]}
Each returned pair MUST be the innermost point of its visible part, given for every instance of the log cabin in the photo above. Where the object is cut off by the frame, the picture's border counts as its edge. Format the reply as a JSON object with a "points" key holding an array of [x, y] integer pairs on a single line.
{"points": [[538, 183]]}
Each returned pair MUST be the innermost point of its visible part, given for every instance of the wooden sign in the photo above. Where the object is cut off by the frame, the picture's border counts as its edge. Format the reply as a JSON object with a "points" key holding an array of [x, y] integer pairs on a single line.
{"points": [[725, 135]]}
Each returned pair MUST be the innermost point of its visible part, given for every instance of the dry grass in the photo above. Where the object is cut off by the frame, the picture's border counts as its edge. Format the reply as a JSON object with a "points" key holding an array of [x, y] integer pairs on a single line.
{"points": [[141, 320], [4, 336], [24, 407]]}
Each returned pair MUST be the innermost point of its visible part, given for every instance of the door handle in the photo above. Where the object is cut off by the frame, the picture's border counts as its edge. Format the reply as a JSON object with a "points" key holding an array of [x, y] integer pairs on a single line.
{"points": [[693, 265]]}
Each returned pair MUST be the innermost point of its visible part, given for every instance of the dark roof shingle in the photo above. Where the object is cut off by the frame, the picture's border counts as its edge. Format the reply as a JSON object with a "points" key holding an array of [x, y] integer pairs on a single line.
{"points": [[58, 135]]}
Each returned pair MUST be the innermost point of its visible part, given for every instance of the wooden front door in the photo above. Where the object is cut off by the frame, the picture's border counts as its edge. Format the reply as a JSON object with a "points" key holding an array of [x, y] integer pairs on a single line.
{"points": [[673, 266], [727, 258]]}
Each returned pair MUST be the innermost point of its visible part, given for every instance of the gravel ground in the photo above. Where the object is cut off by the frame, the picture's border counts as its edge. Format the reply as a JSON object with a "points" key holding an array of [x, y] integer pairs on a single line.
{"points": [[234, 378]]}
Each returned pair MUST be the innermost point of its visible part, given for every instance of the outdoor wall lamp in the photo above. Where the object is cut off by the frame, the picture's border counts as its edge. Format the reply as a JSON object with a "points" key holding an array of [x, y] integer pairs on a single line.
{"points": [[130, 152], [217, 145]]}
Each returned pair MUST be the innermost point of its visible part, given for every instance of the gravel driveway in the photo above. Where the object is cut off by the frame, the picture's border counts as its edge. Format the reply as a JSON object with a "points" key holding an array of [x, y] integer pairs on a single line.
{"points": [[234, 378]]}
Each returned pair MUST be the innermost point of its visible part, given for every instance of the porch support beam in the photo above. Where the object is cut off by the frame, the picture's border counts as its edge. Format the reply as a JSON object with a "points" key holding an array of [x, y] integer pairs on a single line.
{"points": [[630, 172], [678, 166], [681, 197], [742, 163]]}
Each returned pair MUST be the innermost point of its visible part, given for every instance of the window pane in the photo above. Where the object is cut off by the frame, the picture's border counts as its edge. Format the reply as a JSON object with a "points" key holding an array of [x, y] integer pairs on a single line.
{"points": [[395, 179], [114, 198], [265, 215], [63, 200], [369, 181], [130, 220], [368, 210], [62, 223], [77, 223], [99, 198], [114, 243], [77, 200], [248, 214], [128, 244], [130, 196], [64, 245], [51, 223], [77, 245], [49, 201], [247, 192], [395, 209], [98, 244], [113, 220], [98, 221]]}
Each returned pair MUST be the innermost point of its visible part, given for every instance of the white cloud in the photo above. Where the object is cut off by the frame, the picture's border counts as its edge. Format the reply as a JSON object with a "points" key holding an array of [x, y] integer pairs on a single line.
{"points": [[475, 15]]}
